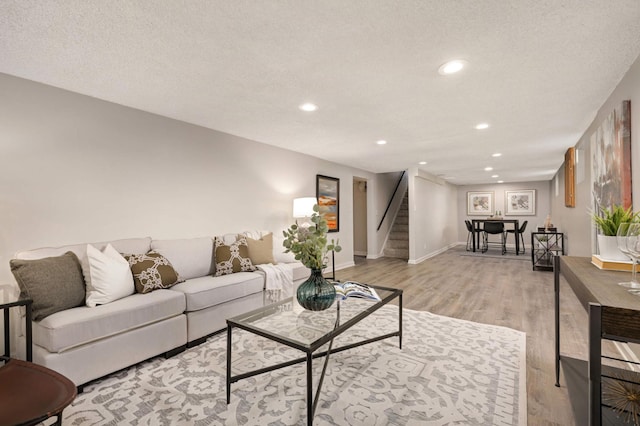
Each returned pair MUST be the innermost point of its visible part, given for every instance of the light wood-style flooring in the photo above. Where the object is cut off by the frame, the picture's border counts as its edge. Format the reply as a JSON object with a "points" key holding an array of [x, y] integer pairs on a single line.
{"points": [[494, 291]]}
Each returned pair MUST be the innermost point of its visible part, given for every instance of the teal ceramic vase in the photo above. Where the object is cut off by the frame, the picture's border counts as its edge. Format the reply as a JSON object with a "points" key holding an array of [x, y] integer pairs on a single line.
{"points": [[316, 293]]}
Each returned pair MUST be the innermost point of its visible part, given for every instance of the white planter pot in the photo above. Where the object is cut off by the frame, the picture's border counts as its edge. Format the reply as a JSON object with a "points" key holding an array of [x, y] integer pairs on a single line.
{"points": [[608, 249]]}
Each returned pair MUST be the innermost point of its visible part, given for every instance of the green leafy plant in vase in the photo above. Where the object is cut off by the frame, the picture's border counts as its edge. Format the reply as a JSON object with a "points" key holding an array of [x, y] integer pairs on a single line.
{"points": [[608, 221], [310, 245]]}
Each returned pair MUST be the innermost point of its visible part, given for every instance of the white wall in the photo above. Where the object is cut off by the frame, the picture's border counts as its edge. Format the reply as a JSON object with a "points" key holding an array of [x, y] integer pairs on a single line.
{"points": [[76, 169], [432, 215], [576, 221], [543, 205]]}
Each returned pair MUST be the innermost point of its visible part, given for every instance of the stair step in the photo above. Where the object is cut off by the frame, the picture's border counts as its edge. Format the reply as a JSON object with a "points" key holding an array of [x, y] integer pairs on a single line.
{"points": [[402, 236], [400, 228], [402, 220], [397, 253], [397, 244]]}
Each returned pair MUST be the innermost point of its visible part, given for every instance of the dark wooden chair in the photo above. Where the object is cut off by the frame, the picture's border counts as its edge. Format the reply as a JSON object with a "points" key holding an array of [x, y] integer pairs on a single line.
{"points": [[31, 393]]}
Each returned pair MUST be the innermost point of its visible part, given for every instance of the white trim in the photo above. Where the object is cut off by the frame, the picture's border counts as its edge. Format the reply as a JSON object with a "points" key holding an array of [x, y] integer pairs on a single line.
{"points": [[432, 254], [375, 256], [345, 265]]}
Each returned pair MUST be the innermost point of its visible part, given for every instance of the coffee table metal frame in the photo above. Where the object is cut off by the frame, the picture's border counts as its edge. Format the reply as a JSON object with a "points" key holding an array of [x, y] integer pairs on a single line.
{"points": [[241, 321]]}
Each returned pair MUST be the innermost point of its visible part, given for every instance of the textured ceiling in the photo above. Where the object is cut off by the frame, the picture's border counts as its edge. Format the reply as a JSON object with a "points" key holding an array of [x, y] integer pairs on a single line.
{"points": [[538, 72]]}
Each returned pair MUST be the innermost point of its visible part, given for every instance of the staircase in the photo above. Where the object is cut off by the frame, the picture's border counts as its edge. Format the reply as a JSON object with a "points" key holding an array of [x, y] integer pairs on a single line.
{"points": [[398, 241]]}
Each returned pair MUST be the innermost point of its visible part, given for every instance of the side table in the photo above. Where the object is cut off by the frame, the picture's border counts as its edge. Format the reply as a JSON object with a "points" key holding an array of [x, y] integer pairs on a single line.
{"points": [[9, 298], [544, 246], [29, 393]]}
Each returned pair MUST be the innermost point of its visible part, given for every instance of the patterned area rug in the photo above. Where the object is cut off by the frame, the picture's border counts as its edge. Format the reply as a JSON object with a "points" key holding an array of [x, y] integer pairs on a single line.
{"points": [[449, 372]]}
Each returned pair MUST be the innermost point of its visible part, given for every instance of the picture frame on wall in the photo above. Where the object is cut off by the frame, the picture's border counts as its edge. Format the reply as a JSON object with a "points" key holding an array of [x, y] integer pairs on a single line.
{"points": [[520, 203], [479, 203], [328, 195]]}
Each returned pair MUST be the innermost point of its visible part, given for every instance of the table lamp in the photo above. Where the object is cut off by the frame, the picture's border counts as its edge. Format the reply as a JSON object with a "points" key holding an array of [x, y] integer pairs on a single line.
{"points": [[303, 207]]}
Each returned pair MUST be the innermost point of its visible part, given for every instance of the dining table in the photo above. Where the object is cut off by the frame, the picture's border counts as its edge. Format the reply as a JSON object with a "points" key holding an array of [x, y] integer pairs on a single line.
{"points": [[477, 230]]}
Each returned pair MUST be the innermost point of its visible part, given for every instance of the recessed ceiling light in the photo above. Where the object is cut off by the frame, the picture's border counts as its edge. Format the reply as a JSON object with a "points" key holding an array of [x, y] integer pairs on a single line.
{"points": [[309, 107], [500, 181], [488, 169], [482, 126], [452, 67], [494, 176], [381, 142], [422, 163]]}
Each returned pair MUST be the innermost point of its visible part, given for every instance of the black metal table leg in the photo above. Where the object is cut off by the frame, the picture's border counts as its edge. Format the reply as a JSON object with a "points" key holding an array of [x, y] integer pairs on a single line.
{"points": [[309, 389], [595, 364], [228, 363], [7, 338], [400, 322], [556, 293]]}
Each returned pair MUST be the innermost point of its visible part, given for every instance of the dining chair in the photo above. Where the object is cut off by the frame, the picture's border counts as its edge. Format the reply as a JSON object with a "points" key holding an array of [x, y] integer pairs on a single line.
{"points": [[469, 234], [493, 228], [523, 227]]}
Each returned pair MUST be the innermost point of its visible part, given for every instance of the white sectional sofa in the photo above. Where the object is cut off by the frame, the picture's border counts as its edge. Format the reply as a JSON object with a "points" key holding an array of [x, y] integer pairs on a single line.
{"points": [[85, 343]]}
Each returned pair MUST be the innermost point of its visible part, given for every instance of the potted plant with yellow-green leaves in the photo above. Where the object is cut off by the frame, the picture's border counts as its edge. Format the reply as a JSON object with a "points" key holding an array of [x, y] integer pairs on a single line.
{"points": [[310, 246], [608, 221]]}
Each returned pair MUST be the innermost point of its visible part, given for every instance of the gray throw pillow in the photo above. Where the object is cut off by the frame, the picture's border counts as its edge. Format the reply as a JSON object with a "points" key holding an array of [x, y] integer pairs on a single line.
{"points": [[54, 283]]}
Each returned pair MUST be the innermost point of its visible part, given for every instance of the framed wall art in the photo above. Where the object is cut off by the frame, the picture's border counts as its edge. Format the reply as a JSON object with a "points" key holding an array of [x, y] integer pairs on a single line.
{"points": [[520, 203], [479, 203], [611, 160], [328, 195]]}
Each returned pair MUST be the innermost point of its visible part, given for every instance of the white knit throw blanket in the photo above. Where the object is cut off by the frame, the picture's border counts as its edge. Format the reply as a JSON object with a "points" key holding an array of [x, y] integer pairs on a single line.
{"points": [[278, 280]]}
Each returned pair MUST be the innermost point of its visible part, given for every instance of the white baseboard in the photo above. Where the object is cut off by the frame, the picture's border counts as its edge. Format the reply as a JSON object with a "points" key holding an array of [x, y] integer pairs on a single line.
{"points": [[375, 256], [345, 265], [432, 254]]}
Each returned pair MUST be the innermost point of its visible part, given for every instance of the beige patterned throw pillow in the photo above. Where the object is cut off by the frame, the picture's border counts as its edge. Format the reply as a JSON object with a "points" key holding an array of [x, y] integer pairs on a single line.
{"points": [[152, 271], [232, 258]]}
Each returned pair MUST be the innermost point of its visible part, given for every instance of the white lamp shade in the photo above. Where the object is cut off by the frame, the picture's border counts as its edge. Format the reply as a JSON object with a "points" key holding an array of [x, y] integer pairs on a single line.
{"points": [[303, 207]]}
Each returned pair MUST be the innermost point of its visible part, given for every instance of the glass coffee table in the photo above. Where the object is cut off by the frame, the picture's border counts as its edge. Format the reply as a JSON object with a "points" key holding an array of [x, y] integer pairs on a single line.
{"points": [[286, 322]]}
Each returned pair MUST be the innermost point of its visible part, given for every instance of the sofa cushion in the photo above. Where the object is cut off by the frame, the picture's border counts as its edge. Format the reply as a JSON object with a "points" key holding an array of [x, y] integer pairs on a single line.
{"points": [[204, 292], [130, 245], [72, 327], [232, 258], [261, 249], [107, 276], [152, 271], [191, 258], [54, 283]]}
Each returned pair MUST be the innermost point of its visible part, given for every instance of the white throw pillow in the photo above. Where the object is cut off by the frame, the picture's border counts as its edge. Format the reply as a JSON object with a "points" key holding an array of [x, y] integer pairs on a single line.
{"points": [[107, 275], [278, 250]]}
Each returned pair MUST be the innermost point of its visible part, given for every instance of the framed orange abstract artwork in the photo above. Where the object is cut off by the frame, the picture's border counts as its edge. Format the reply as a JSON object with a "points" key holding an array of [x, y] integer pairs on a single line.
{"points": [[328, 195]]}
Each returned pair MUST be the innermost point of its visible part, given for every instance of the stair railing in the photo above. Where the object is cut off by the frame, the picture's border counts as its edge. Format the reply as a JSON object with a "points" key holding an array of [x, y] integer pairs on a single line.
{"points": [[391, 200]]}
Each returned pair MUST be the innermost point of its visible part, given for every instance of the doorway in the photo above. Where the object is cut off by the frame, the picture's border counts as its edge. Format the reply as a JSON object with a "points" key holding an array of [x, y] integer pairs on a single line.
{"points": [[359, 219]]}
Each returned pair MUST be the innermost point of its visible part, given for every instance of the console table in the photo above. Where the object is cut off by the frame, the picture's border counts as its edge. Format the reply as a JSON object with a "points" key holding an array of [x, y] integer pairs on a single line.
{"points": [[614, 314]]}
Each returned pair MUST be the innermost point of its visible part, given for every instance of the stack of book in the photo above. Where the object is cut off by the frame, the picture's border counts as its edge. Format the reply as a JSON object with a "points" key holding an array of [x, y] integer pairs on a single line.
{"points": [[612, 265]]}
